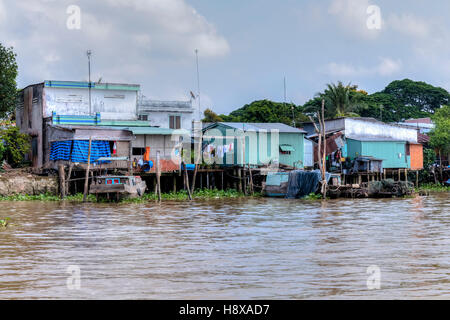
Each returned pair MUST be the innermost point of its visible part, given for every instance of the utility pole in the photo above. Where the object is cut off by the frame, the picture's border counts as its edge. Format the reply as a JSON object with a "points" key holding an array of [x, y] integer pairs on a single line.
{"points": [[198, 88], [89, 53], [292, 107]]}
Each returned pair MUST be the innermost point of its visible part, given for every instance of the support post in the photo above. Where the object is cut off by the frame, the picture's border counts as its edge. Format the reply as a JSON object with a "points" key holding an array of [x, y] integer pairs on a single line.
{"points": [[62, 183], [186, 179], [69, 174], [174, 183], [158, 175], [417, 178], [86, 180]]}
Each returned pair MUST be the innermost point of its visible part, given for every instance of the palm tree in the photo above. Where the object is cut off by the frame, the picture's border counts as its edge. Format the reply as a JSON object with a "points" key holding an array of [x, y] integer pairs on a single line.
{"points": [[339, 100]]}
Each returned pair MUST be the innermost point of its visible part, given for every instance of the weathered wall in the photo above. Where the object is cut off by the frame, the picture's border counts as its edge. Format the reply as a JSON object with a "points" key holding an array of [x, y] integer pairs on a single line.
{"points": [[111, 104], [161, 143], [29, 120], [28, 185], [161, 119]]}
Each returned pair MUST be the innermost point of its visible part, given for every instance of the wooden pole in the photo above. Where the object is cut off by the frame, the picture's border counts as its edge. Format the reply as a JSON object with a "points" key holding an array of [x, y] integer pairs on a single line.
{"points": [[240, 179], [158, 176], [174, 183], [69, 174], [243, 170], [86, 180], [186, 179], [417, 178], [62, 183], [251, 179]]}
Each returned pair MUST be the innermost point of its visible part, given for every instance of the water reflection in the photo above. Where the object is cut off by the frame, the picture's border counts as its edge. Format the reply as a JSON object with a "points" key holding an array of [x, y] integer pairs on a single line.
{"points": [[240, 248]]}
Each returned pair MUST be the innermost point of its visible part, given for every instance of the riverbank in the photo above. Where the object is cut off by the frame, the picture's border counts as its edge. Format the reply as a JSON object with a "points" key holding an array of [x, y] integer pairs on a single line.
{"points": [[205, 194], [432, 188]]}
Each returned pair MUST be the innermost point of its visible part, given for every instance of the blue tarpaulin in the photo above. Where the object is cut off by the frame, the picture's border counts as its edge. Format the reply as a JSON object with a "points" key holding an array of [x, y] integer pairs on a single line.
{"points": [[60, 150], [99, 149], [78, 150]]}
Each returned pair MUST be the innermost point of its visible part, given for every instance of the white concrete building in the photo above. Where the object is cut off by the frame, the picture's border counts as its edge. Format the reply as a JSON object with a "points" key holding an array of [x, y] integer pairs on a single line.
{"points": [[167, 114]]}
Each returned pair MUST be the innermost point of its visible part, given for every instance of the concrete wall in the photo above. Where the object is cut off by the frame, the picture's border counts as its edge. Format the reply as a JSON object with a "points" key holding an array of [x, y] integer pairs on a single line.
{"points": [[112, 104], [161, 119], [161, 143]]}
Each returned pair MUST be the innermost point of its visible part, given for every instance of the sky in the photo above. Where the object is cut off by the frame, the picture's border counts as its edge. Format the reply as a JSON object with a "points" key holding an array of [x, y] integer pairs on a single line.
{"points": [[245, 48]]}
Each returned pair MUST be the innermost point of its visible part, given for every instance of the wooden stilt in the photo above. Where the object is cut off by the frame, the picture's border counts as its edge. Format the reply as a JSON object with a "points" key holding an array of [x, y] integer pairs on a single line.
{"points": [[417, 178], [62, 183], [186, 178], [158, 175], [86, 180], [174, 183], [240, 180], [69, 174]]}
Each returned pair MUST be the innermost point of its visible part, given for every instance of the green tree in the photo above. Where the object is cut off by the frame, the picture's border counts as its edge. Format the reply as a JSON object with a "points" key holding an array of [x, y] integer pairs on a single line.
{"points": [[211, 116], [268, 111], [340, 101], [16, 145], [420, 96], [8, 85], [440, 135]]}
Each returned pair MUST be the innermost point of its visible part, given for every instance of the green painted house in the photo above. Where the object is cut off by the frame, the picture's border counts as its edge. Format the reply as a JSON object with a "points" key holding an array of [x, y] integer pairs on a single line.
{"points": [[234, 143], [392, 152]]}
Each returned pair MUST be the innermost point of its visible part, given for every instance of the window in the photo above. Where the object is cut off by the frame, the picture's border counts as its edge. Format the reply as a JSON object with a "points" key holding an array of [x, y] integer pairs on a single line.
{"points": [[175, 122], [138, 151], [143, 117]]}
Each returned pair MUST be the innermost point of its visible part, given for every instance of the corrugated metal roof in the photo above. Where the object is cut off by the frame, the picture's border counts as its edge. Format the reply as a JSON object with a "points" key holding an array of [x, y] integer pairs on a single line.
{"points": [[281, 127]]}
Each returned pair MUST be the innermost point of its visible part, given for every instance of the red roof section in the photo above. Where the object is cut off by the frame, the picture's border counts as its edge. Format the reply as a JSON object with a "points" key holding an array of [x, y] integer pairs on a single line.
{"points": [[421, 120]]}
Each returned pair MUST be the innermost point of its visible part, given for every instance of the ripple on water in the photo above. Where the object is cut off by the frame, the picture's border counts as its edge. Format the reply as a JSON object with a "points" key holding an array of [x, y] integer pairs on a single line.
{"points": [[224, 249]]}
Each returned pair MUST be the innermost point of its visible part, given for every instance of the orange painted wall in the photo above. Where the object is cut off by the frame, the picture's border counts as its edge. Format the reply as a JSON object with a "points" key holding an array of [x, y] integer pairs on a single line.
{"points": [[416, 151]]}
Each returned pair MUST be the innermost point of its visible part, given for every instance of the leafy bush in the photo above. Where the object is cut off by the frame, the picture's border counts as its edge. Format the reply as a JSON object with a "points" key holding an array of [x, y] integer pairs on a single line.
{"points": [[15, 146]]}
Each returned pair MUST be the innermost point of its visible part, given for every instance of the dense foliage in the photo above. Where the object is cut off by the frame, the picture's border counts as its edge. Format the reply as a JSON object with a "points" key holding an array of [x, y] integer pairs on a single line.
{"points": [[15, 145], [440, 135], [8, 85], [267, 111], [211, 116]]}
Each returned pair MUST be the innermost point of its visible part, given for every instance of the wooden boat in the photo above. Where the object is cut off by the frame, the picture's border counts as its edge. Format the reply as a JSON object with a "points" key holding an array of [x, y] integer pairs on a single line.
{"points": [[118, 187]]}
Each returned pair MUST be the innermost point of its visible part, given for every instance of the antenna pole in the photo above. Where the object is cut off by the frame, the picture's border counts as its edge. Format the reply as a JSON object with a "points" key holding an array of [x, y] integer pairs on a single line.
{"points": [[89, 52], [198, 88]]}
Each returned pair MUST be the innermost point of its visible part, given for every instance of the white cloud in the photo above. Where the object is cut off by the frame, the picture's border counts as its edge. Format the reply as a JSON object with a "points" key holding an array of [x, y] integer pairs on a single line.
{"points": [[408, 24], [385, 67], [132, 40]]}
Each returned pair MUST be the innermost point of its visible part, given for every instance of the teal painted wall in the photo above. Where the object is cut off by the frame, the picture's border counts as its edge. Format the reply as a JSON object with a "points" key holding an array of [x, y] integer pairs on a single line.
{"points": [[353, 148], [296, 158], [260, 154], [387, 150]]}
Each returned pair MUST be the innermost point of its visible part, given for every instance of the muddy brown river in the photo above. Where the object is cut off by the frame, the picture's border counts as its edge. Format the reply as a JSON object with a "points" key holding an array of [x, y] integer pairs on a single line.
{"points": [[228, 249]]}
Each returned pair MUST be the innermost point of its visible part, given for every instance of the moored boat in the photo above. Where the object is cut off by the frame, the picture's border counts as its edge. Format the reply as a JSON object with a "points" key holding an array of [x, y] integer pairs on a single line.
{"points": [[118, 187]]}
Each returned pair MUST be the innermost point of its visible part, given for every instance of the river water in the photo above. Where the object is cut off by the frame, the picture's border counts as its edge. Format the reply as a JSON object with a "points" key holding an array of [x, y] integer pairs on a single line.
{"points": [[228, 249]]}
